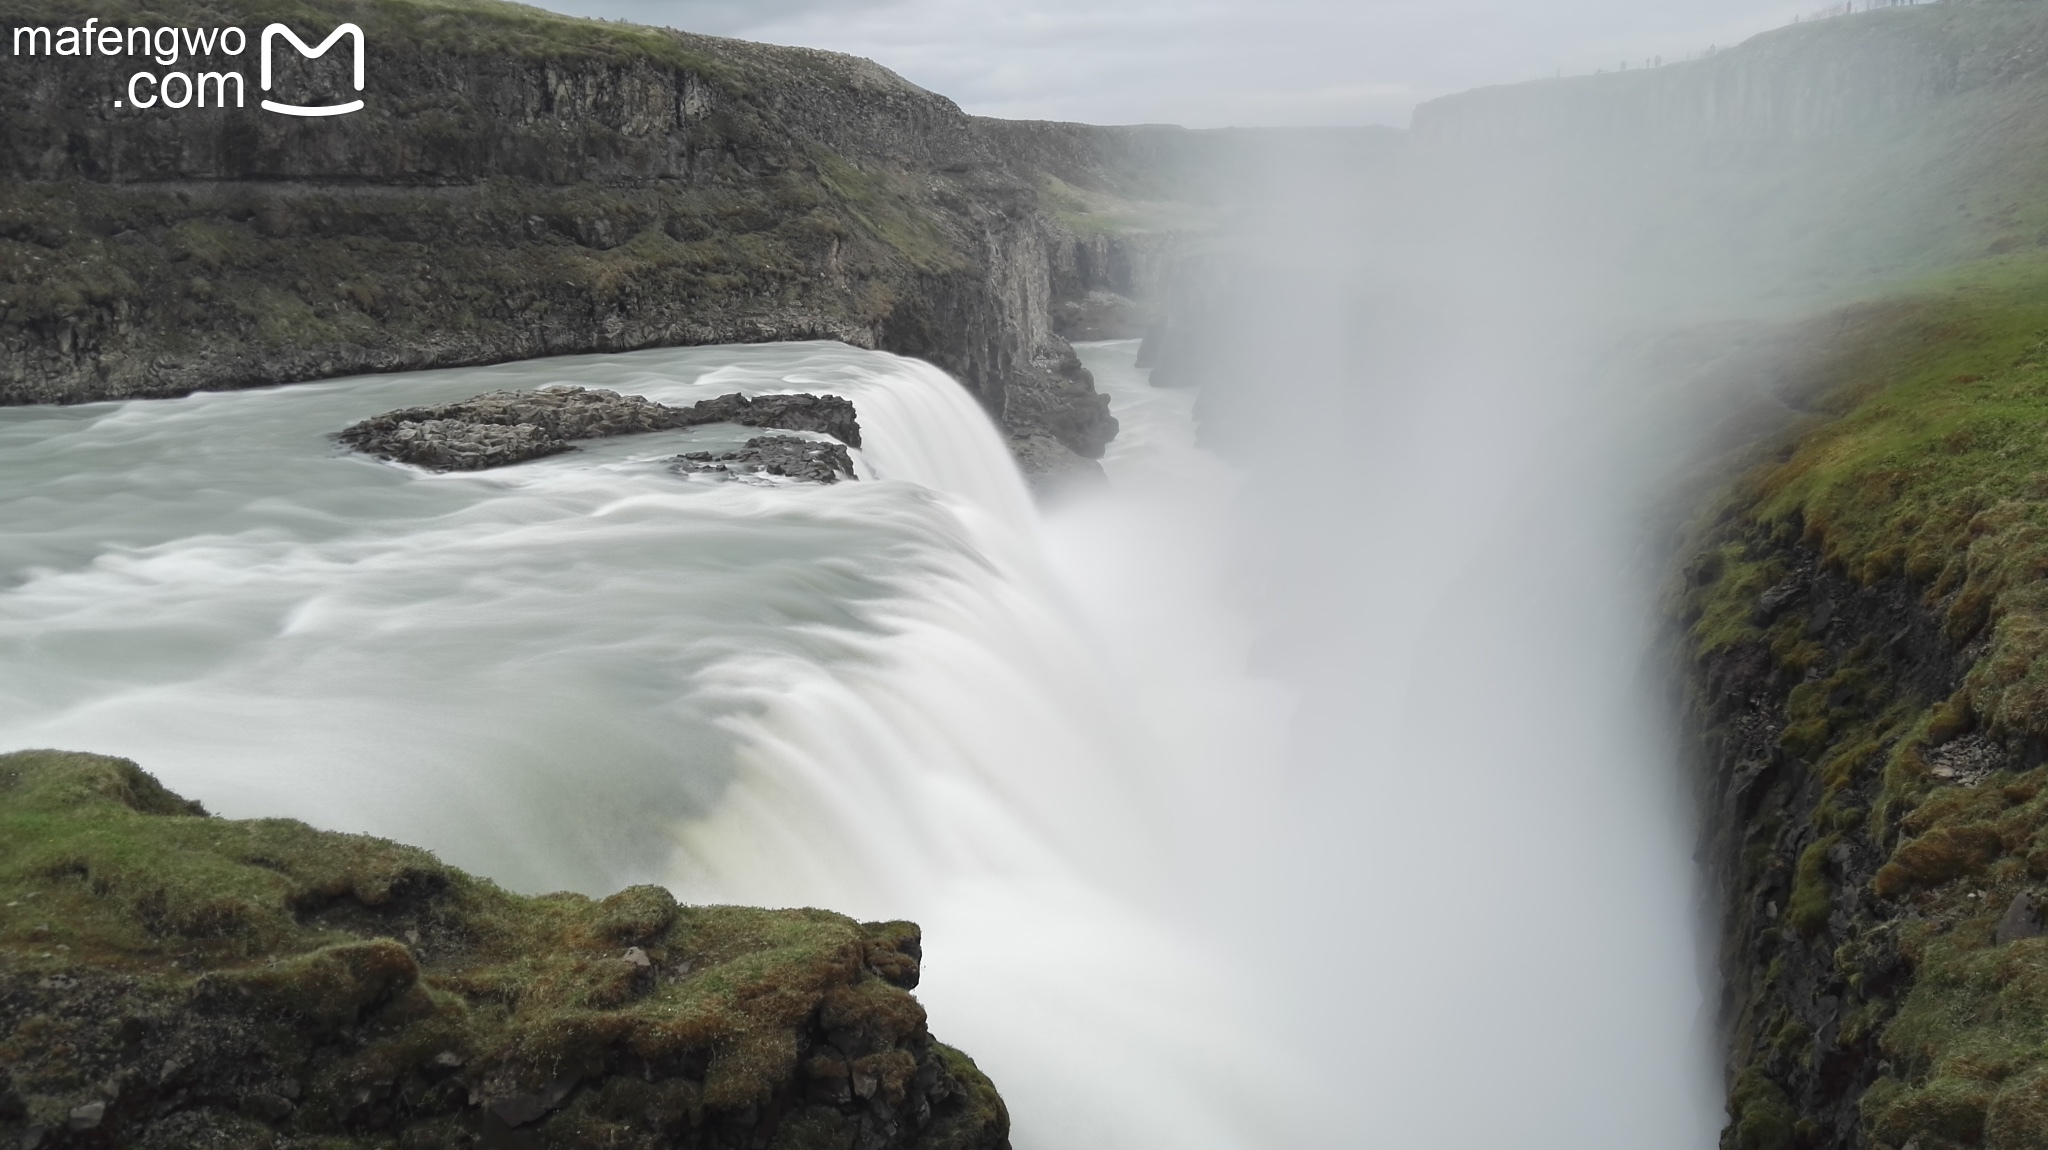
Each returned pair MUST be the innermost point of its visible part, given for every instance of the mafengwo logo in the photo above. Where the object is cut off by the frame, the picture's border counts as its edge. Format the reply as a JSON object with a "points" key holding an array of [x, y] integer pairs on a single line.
{"points": [[177, 88]]}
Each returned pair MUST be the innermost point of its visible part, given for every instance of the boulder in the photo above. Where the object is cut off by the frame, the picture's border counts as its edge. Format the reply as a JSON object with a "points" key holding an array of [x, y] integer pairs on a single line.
{"points": [[785, 456]]}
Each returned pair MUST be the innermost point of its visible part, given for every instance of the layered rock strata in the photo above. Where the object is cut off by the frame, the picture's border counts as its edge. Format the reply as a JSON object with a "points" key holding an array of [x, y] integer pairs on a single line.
{"points": [[1810, 957]]}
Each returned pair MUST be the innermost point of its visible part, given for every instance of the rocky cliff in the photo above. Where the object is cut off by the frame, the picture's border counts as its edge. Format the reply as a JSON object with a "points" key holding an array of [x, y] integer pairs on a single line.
{"points": [[521, 184], [173, 980], [1864, 654]]}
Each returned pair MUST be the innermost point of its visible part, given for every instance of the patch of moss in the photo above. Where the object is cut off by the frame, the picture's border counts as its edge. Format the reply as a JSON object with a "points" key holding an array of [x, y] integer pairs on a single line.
{"points": [[1760, 1117], [1946, 1112], [1812, 894], [880, 205], [1088, 212]]}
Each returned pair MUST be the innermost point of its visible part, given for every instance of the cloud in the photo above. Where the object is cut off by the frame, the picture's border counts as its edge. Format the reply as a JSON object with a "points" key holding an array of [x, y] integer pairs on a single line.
{"points": [[1211, 63], [711, 17]]}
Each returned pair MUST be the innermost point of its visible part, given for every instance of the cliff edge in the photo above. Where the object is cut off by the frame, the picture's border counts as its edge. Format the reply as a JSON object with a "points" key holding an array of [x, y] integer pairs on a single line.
{"points": [[1863, 615], [170, 980]]}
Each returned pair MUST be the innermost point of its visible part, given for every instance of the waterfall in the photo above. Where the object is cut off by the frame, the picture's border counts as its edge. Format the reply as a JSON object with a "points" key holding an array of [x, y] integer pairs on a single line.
{"points": [[1422, 895], [904, 697]]}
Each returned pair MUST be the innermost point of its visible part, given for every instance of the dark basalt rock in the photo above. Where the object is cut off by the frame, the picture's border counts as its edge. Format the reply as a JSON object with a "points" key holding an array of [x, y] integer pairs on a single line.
{"points": [[506, 427], [2022, 919], [1829, 968], [804, 460], [828, 414], [453, 445]]}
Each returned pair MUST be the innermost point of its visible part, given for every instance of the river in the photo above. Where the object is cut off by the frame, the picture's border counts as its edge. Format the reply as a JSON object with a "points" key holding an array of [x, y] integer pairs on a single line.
{"points": [[1040, 734]]}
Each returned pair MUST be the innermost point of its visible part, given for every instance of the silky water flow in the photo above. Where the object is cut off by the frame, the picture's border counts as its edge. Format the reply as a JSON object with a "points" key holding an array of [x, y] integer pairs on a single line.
{"points": [[902, 697], [912, 696]]}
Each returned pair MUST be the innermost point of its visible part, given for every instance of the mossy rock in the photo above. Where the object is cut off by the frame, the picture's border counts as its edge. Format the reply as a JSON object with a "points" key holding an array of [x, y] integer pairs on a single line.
{"points": [[172, 979], [1867, 624]]}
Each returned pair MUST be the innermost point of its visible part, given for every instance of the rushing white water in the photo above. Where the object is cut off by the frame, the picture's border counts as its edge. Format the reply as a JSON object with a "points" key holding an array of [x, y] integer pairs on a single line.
{"points": [[1431, 895], [898, 697]]}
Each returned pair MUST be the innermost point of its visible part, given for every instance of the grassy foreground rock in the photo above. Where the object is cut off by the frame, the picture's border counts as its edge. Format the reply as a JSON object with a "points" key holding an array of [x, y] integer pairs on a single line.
{"points": [[173, 980]]}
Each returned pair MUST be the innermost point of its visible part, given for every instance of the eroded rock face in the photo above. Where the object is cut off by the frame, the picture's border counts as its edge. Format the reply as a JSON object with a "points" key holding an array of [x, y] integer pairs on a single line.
{"points": [[1846, 882], [1807, 946], [506, 427], [1064, 406], [786, 456], [185, 981]]}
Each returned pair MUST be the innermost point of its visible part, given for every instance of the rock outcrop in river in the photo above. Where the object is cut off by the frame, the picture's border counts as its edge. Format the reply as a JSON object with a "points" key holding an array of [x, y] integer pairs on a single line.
{"points": [[171, 981], [507, 427]]}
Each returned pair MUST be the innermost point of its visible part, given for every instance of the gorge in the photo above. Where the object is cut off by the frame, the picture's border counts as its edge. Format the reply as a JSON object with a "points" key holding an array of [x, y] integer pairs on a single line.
{"points": [[1552, 662]]}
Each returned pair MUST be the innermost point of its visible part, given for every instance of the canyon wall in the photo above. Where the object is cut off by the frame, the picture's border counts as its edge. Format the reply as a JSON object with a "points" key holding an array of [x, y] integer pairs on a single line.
{"points": [[1801, 167], [519, 184], [1860, 623]]}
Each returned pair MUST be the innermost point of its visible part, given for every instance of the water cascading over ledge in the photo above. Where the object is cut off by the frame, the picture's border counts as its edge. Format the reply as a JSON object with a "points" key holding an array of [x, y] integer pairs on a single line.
{"points": [[589, 672]]}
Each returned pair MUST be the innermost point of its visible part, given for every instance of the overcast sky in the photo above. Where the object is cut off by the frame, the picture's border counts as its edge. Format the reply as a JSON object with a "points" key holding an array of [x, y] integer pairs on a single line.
{"points": [[1210, 63]]}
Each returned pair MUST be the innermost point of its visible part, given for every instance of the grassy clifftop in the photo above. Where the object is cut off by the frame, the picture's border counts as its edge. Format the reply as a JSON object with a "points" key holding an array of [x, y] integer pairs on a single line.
{"points": [[173, 980], [1867, 618]]}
